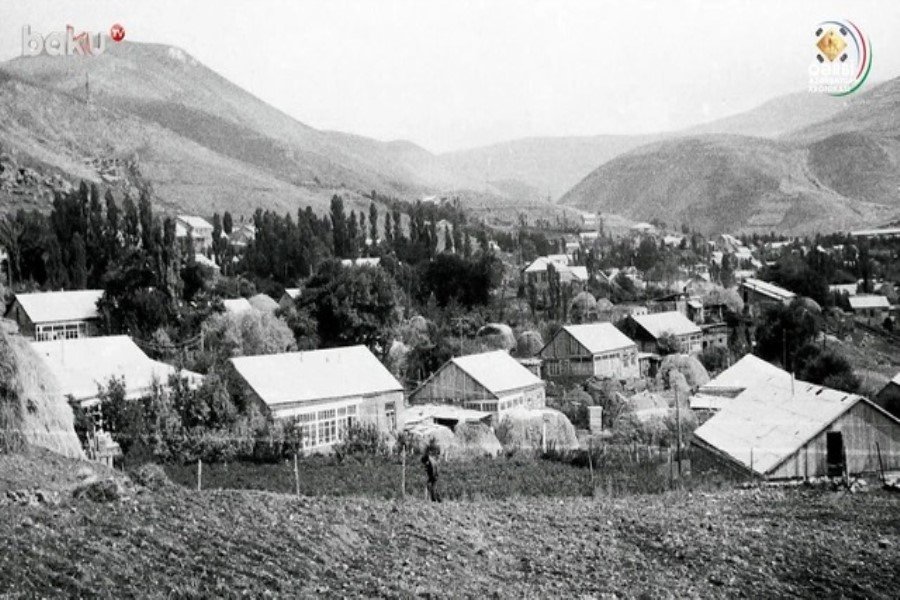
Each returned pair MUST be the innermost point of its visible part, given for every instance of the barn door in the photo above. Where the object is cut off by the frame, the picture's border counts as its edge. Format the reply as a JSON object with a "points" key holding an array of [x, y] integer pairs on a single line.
{"points": [[835, 456]]}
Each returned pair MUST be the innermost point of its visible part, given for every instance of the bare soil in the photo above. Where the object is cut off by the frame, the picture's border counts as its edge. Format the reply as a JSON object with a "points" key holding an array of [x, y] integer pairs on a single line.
{"points": [[178, 542]]}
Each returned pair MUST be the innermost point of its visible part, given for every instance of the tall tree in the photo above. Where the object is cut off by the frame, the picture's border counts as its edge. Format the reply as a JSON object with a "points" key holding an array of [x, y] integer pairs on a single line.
{"points": [[339, 226], [227, 223], [373, 224], [79, 271]]}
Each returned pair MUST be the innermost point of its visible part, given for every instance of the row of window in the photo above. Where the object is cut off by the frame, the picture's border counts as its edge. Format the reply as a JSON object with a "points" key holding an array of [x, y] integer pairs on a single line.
{"points": [[61, 331]]}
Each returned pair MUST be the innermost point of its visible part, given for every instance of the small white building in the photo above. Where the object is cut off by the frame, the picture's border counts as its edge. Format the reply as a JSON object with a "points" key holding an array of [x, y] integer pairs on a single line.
{"points": [[81, 365], [324, 391], [590, 350], [871, 308], [56, 315], [198, 229], [491, 382]]}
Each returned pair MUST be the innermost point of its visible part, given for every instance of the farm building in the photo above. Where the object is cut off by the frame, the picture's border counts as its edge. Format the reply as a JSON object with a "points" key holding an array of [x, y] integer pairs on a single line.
{"points": [[801, 431], [81, 365], [649, 330], [871, 308], [758, 294], [324, 390], [590, 350], [490, 382], [197, 229], [888, 397], [56, 315]]}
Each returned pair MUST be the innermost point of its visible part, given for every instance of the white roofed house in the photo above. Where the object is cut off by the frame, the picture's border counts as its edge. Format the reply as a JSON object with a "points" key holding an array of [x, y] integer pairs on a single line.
{"points": [[81, 365], [537, 273], [491, 382], [198, 229], [56, 315], [758, 294], [590, 350], [649, 330], [797, 431], [325, 391], [871, 308]]}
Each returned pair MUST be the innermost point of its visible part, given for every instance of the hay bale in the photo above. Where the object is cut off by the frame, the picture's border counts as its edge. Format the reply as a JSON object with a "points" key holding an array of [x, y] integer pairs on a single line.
{"points": [[529, 344], [497, 336], [523, 428], [33, 410], [689, 367], [263, 303], [425, 434], [477, 439]]}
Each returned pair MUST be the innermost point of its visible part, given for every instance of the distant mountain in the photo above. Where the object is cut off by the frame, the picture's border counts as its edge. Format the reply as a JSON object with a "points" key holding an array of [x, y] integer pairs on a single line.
{"points": [[203, 142], [831, 175]]}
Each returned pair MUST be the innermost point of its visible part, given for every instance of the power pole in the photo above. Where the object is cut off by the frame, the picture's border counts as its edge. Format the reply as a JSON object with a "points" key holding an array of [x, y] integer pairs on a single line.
{"points": [[678, 422]]}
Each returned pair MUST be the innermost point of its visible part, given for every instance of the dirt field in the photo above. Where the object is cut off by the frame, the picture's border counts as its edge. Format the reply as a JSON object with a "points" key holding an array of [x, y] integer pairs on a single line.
{"points": [[756, 543]]}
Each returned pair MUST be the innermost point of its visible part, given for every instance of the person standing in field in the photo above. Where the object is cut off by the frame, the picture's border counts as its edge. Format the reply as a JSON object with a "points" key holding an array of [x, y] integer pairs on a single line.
{"points": [[431, 474]]}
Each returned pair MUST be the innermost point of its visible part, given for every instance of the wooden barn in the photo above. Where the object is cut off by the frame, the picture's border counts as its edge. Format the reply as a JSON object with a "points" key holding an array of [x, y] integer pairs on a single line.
{"points": [[491, 382], [590, 350], [798, 431], [62, 315]]}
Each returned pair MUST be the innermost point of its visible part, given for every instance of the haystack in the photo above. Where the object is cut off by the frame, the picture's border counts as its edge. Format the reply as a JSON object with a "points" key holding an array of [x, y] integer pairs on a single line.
{"points": [[426, 433], [497, 336], [529, 344], [693, 371], [263, 303], [33, 411], [524, 428], [477, 439]]}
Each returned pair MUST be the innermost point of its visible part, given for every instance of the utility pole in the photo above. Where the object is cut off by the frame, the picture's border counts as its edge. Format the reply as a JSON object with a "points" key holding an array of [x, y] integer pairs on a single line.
{"points": [[678, 422]]}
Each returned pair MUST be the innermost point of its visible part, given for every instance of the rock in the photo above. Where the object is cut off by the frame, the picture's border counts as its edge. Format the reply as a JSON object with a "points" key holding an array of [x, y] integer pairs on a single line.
{"points": [[105, 490]]}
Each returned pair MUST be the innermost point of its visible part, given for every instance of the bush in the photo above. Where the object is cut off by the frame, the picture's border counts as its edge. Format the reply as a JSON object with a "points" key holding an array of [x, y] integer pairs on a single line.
{"points": [[362, 439]]}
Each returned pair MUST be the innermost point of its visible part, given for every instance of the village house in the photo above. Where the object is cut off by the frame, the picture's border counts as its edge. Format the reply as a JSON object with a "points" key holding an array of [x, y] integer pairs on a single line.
{"points": [[323, 391], [83, 365], [888, 397], [289, 297], [748, 372], [491, 382], [758, 295], [649, 330], [242, 235], [871, 308], [590, 350], [537, 273], [56, 315], [801, 431], [197, 228]]}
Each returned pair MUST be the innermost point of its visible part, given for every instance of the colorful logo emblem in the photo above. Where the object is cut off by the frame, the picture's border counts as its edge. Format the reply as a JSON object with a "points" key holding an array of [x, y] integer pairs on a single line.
{"points": [[843, 58]]}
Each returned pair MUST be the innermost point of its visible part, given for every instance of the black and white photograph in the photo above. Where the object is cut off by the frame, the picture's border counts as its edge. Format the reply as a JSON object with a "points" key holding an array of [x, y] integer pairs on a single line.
{"points": [[552, 299]]}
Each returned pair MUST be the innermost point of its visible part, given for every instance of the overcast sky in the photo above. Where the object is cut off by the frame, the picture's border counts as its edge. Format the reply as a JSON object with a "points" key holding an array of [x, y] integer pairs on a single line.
{"points": [[457, 74]]}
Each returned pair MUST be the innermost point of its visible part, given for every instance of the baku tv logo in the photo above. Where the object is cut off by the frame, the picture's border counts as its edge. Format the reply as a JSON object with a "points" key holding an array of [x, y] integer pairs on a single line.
{"points": [[68, 43], [843, 58]]}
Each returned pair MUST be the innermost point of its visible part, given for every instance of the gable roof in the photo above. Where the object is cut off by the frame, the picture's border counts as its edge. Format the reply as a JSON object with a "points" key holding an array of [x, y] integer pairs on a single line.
{"points": [[768, 289], [599, 337], [292, 293], [82, 364], [195, 222], [496, 371], [660, 324], [236, 306], [48, 307], [764, 426], [868, 301], [749, 371], [315, 375]]}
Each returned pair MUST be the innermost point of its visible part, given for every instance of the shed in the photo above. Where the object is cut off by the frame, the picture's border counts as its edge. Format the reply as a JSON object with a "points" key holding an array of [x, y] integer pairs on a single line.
{"points": [[490, 382], [324, 390], [811, 431]]}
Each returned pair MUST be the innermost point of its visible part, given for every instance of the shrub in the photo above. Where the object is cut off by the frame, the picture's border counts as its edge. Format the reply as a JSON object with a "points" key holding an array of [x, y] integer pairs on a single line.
{"points": [[362, 439], [714, 358]]}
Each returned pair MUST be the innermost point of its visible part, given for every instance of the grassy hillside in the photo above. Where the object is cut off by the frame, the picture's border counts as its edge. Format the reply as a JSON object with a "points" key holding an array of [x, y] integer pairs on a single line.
{"points": [[767, 543]]}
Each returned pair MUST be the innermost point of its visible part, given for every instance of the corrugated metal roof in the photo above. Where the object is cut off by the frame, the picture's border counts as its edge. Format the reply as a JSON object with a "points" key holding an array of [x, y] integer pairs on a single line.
{"points": [[748, 372], [765, 425], [768, 289], [497, 371], [82, 364], [868, 301], [599, 337], [315, 375], [672, 322], [47, 307]]}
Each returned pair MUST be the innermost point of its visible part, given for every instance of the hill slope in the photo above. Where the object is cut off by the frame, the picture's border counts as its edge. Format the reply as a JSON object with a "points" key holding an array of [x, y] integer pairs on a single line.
{"points": [[833, 175], [205, 143]]}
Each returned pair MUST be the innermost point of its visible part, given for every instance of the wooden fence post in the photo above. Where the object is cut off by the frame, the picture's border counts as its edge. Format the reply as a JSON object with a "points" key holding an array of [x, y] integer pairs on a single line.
{"points": [[296, 475], [199, 475], [880, 463], [403, 474], [591, 463]]}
